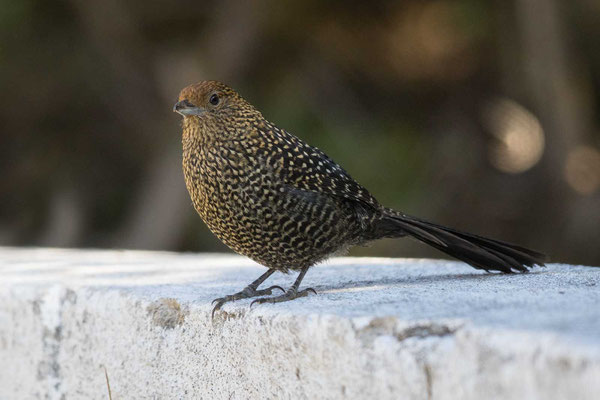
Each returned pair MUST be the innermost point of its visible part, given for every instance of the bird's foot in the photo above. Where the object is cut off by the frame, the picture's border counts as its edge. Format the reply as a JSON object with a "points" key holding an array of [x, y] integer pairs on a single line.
{"points": [[247, 293], [290, 294]]}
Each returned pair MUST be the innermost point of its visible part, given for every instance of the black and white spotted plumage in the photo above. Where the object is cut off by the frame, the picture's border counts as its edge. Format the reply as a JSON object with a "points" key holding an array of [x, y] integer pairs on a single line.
{"points": [[272, 197]]}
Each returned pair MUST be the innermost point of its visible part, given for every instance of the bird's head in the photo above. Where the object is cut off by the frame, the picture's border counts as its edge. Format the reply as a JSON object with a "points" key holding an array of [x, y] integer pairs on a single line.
{"points": [[211, 101]]}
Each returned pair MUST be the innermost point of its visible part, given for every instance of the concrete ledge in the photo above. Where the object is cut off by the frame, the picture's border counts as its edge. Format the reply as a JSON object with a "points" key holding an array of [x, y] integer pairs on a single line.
{"points": [[379, 328]]}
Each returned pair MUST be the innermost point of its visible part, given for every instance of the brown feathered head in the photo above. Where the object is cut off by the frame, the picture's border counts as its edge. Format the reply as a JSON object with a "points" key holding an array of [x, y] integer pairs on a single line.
{"points": [[211, 100]]}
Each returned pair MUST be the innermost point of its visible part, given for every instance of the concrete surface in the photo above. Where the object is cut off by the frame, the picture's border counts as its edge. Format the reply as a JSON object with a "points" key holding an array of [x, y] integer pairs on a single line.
{"points": [[379, 328]]}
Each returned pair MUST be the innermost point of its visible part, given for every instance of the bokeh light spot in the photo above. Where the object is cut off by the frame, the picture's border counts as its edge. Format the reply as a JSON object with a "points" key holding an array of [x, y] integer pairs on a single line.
{"points": [[582, 169], [520, 137]]}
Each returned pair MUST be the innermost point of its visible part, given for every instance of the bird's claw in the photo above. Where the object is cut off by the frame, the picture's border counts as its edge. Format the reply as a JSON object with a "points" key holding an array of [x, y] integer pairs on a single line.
{"points": [[291, 294], [247, 293], [275, 287], [216, 308]]}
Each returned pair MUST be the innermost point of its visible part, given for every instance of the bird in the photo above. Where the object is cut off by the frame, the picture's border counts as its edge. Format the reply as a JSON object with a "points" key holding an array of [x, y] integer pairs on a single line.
{"points": [[285, 204]]}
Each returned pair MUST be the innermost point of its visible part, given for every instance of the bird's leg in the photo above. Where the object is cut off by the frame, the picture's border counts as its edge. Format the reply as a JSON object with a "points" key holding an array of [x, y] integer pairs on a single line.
{"points": [[290, 294], [248, 292]]}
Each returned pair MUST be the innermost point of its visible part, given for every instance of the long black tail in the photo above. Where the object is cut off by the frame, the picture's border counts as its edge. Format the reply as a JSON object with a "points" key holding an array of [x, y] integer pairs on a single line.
{"points": [[477, 251]]}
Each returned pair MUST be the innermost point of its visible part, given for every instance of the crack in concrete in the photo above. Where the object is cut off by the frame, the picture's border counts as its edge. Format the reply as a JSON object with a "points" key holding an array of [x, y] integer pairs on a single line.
{"points": [[49, 307], [422, 331]]}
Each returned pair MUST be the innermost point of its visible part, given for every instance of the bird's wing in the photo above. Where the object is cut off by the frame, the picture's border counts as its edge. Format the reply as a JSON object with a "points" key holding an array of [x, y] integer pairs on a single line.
{"points": [[308, 168]]}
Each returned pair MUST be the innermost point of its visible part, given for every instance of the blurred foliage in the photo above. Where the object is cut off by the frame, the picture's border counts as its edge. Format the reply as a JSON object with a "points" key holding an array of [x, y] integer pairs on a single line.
{"points": [[396, 92]]}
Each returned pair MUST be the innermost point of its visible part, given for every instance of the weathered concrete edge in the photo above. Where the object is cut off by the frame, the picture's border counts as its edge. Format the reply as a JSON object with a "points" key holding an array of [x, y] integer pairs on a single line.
{"points": [[63, 338]]}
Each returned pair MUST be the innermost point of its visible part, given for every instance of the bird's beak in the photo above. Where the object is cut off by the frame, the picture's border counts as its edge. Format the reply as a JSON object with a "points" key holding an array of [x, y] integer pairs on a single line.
{"points": [[185, 108]]}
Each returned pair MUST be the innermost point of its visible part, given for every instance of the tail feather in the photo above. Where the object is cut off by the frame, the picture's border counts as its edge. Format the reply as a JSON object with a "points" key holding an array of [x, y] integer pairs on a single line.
{"points": [[478, 251]]}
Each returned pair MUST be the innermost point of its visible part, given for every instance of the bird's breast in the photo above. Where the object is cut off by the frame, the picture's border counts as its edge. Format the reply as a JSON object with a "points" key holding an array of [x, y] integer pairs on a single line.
{"points": [[245, 201], [220, 181]]}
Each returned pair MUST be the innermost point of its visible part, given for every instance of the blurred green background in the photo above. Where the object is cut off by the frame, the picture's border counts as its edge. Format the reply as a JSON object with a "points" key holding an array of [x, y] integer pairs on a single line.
{"points": [[482, 115]]}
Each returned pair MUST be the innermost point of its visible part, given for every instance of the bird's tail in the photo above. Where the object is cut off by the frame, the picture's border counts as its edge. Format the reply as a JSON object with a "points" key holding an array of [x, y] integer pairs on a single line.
{"points": [[477, 251]]}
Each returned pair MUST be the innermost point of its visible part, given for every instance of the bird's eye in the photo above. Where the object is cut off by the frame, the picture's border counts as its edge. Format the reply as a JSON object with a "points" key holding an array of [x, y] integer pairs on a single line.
{"points": [[214, 99]]}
